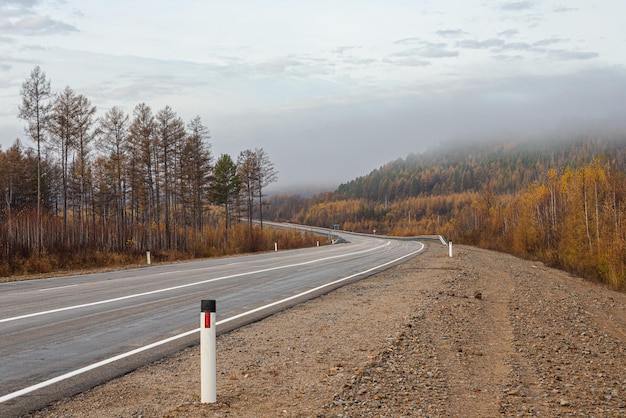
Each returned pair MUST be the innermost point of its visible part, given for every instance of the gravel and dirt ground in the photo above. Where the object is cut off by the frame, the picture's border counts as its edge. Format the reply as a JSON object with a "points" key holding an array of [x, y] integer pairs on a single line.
{"points": [[481, 334]]}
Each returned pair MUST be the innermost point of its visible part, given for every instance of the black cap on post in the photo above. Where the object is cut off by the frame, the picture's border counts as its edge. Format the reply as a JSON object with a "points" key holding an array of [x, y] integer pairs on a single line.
{"points": [[207, 305]]}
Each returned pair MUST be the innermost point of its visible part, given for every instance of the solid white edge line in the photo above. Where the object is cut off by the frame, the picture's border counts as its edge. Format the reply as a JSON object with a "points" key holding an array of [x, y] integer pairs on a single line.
{"points": [[278, 302], [93, 366]]}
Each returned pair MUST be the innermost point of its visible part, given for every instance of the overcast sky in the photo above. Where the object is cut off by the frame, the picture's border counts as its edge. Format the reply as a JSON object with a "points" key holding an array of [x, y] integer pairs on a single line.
{"points": [[331, 89]]}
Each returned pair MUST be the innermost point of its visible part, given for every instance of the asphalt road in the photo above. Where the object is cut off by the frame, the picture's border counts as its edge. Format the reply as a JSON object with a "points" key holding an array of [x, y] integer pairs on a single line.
{"points": [[63, 335]]}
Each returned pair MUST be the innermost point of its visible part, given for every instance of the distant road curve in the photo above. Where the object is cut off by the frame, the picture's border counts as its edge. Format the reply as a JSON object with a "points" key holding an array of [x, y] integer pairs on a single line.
{"points": [[63, 335]]}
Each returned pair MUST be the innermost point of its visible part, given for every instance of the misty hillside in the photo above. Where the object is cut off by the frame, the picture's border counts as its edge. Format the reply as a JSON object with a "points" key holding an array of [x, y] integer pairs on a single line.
{"points": [[561, 202], [502, 168]]}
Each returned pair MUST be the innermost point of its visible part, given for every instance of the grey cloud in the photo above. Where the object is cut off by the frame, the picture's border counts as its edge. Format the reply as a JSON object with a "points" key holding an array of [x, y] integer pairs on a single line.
{"points": [[15, 9], [19, 3], [472, 44], [508, 33], [139, 87], [407, 52], [5, 15], [451, 33], [278, 66], [34, 48], [359, 61], [438, 53], [539, 47], [572, 55], [408, 41], [21, 18], [517, 5], [5, 67], [39, 25], [427, 50], [143, 79], [340, 50], [325, 66], [407, 62], [522, 46], [6, 40], [550, 41]]}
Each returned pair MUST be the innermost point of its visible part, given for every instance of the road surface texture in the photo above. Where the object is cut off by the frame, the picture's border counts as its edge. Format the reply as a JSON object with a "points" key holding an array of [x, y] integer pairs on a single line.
{"points": [[65, 335], [481, 334]]}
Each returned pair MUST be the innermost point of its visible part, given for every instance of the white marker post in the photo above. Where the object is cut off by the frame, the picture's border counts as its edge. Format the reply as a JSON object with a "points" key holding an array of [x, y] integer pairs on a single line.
{"points": [[148, 257], [450, 248], [208, 358]]}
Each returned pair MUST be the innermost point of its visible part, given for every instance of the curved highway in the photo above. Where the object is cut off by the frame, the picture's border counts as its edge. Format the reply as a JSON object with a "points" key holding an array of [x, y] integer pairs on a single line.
{"points": [[64, 335]]}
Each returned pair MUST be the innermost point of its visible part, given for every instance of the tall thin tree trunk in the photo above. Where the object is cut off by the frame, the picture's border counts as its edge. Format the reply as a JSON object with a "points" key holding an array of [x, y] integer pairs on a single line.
{"points": [[586, 212]]}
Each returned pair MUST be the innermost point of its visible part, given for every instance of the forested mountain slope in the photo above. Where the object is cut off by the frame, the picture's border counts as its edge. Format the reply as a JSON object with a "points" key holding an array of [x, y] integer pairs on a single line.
{"points": [[563, 202], [500, 167]]}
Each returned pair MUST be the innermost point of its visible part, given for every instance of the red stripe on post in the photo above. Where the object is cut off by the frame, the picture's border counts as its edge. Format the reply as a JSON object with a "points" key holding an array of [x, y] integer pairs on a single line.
{"points": [[207, 319]]}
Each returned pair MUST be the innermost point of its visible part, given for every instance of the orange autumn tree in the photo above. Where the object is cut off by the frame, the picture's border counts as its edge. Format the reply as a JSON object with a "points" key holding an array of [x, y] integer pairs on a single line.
{"points": [[575, 222]]}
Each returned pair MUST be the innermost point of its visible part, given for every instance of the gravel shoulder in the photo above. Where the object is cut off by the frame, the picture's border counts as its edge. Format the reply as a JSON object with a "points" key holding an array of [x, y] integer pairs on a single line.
{"points": [[477, 335]]}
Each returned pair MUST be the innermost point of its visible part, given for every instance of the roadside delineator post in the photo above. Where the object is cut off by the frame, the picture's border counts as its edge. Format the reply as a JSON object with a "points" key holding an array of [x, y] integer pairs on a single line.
{"points": [[208, 358], [148, 257], [275, 246], [450, 248]]}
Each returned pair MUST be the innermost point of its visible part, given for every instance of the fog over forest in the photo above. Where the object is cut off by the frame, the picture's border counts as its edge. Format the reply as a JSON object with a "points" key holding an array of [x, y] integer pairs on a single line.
{"points": [[330, 90]]}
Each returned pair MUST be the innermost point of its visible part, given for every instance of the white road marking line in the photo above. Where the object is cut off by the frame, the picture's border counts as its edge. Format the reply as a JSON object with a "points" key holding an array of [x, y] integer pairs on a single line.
{"points": [[93, 366], [168, 289], [55, 288], [76, 372], [306, 292]]}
